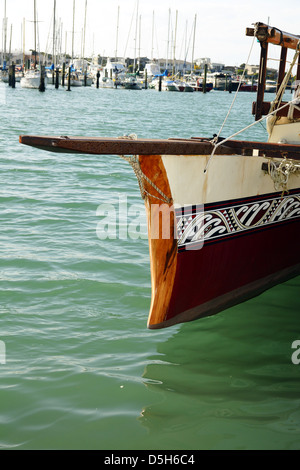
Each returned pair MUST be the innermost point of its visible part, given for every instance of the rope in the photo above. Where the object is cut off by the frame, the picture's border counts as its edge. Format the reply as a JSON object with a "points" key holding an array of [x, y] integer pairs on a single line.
{"points": [[135, 164], [216, 145], [277, 101], [236, 93], [280, 173]]}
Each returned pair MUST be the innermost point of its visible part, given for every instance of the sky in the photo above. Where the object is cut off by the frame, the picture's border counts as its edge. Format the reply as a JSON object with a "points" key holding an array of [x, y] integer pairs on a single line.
{"points": [[219, 33]]}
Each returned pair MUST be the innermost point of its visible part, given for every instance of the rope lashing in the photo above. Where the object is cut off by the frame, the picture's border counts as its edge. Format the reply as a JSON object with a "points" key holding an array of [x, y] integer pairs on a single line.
{"points": [[141, 177], [222, 142], [280, 173]]}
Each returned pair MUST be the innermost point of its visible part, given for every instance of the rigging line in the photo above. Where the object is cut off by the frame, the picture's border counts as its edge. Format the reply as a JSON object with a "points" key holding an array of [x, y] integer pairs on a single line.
{"points": [[262, 125], [133, 14], [236, 93], [245, 128]]}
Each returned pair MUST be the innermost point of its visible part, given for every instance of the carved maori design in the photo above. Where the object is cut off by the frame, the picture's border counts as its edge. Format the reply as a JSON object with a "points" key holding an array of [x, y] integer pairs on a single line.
{"points": [[200, 224]]}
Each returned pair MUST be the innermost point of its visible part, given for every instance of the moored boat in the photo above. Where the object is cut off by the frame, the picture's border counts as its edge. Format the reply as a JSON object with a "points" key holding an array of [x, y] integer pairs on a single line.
{"points": [[35, 77], [223, 214], [271, 86], [75, 80], [223, 81], [184, 86], [131, 83], [106, 82], [86, 79], [32, 79], [248, 86], [198, 85]]}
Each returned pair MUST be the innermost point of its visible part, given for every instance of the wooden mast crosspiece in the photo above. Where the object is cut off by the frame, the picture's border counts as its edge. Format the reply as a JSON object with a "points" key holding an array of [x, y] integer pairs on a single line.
{"points": [[225, 224]]}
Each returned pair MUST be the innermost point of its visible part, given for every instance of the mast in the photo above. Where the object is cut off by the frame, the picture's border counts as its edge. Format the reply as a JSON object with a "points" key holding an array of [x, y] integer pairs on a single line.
{"points": [[140, 32], [152, 55], [4, 35], [73, 30], [136, 30], [84, 32], [54, 26], [168, 42], [23, 44], [193, 49], [174, 67], [60, 39], [9, 54], [34, 22], [185, 46], [117, 35]]}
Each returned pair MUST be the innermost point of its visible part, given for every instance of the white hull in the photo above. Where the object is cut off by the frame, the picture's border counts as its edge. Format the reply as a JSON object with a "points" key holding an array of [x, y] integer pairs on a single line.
{"points": [[4, 78], [76, 83], [132, 84], [89, 81], [221, 182], [32, 81], [105, 82]]}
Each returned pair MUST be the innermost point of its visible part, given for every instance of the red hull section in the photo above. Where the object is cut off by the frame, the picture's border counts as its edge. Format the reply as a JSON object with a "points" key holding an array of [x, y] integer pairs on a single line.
{"points": [[237, 264]]}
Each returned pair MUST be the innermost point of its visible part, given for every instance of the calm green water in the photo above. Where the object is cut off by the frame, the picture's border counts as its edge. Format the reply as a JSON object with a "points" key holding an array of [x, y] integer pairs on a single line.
{"points": [[82, 371]]}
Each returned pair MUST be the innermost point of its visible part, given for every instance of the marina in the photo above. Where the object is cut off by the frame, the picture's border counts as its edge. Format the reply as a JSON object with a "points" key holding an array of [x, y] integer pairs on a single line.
{"points": [[80, 362], [36, 68], [119, 331]]}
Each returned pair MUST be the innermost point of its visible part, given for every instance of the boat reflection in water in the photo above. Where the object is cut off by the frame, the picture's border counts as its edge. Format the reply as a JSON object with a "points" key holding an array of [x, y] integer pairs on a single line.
{"points": [[227, 381]]}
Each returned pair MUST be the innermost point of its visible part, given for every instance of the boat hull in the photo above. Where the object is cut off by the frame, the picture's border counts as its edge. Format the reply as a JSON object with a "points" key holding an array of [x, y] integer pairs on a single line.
{"points": [[220, 238], [235, 264], [132, 86], [199, 87], [221, 229], [32, 82]]}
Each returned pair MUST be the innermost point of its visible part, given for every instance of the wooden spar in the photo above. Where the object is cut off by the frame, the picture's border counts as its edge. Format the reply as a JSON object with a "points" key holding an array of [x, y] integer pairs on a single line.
{"points": [[121, 146], [268, 35], [172, 146], [261, 79], [282, 65], [298, 69], [265, 33], [266, 108]]}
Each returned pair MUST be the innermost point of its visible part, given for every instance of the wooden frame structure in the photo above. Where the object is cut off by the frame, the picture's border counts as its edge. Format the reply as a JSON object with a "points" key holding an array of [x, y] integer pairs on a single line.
{"points": [[268, 35]]}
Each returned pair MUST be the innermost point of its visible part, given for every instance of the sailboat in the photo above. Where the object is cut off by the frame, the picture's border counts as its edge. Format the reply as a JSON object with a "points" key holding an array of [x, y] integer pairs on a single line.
{"points": [[4, 70], [34, 77], [223, 214]]}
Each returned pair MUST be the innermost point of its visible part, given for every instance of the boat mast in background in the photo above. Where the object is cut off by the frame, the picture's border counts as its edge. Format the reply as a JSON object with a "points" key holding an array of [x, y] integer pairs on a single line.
{"points": [[193, 48], [174, 45], [135, 36], [73, 31], [4, 35], [54, 34], [117, 34], [168, 41], [84, 33], [34, 21]]}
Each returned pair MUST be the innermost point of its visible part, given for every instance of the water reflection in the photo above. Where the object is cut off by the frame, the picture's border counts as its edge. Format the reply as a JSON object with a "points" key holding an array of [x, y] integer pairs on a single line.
{"points": [[231, 372]]}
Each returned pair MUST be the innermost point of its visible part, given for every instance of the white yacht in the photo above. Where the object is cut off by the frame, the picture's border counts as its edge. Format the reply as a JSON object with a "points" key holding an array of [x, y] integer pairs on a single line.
{"points": [[32, 79]]}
